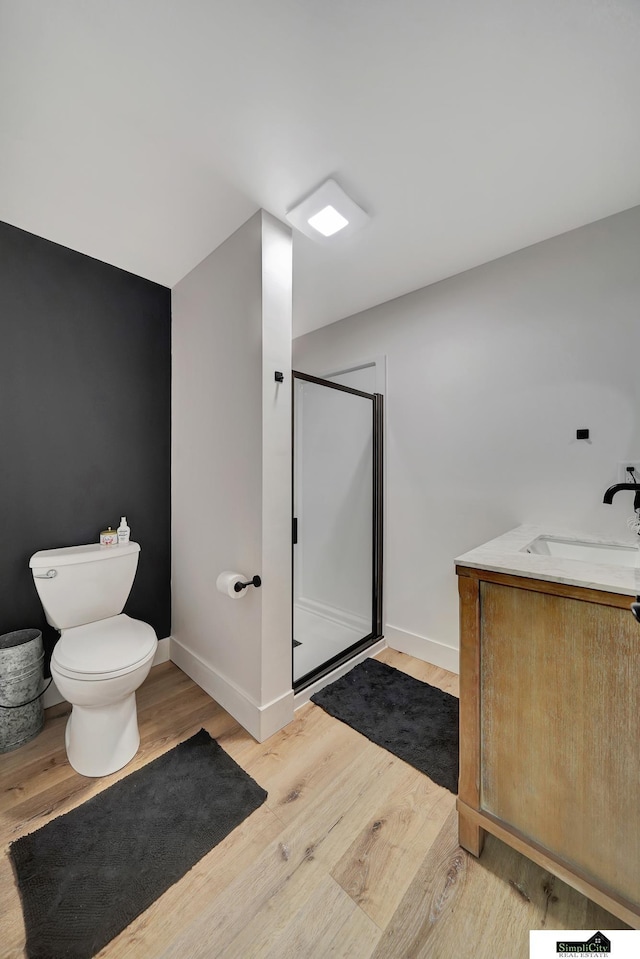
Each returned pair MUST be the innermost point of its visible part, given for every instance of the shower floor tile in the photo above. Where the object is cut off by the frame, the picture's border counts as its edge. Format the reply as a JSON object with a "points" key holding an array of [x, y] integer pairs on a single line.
{"points": [[319, 639]]}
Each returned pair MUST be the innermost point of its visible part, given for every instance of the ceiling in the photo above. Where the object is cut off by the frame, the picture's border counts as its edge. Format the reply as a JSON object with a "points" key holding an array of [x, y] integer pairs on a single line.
{"points": [[144, 132]]}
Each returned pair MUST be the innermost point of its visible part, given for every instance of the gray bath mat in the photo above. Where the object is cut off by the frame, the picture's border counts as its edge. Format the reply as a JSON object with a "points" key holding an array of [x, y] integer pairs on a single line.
{"points": [[86, 875], [413, 720]]}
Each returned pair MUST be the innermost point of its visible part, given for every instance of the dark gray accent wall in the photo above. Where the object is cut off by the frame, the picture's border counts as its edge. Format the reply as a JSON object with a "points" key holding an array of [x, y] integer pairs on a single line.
{"points": [[85, 419]]}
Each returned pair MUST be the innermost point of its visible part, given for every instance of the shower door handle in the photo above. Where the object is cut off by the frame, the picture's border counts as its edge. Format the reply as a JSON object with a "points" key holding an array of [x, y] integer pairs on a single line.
{"points": [[294, 530]]}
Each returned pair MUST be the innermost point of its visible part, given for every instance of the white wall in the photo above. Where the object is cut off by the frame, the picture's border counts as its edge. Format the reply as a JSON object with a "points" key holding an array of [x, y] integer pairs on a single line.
{"points": [[489, 374], [231, 471], [276, 646]]}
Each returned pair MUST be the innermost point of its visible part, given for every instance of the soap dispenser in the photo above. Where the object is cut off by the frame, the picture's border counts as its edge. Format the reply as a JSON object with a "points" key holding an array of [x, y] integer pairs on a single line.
{"points": [[124, 532]]}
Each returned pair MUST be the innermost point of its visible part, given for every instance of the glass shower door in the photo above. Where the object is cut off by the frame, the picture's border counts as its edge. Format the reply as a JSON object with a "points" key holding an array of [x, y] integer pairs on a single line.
{"points": [[337, 500]]}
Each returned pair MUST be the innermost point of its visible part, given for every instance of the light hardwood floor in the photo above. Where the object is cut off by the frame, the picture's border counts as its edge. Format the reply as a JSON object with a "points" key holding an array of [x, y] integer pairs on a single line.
{"points": [[354, 854]]}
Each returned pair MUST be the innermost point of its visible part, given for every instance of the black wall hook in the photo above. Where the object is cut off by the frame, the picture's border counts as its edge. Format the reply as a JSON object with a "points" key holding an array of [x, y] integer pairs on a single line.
{"points": [[256, 581]]}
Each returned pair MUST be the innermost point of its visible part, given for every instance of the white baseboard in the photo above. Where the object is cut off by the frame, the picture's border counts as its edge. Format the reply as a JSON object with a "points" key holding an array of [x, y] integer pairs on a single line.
{"points": [[163, 652], [303, 697], [52, 697], [260, 721], [438, 654]]}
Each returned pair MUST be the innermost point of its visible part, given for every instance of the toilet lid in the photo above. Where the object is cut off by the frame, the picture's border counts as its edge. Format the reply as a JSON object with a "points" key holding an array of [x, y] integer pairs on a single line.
{"points": [[114, 644]]}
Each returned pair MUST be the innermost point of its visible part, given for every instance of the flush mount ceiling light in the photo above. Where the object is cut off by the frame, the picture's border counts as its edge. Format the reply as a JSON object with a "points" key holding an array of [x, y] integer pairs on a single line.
{"points": [[327, 211], [328, 221]]}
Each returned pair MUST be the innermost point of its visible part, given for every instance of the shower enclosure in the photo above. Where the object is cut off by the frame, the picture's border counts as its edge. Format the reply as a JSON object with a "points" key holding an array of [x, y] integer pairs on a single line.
{"points": [[337, 524]]}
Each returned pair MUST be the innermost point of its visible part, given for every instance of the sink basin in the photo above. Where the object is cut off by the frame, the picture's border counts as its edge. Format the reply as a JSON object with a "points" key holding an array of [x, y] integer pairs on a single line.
{"points": [[608, 553]]}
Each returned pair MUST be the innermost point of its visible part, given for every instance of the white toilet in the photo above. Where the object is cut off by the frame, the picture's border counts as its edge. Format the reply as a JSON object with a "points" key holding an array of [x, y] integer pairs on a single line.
{"points": [[102, 655]]}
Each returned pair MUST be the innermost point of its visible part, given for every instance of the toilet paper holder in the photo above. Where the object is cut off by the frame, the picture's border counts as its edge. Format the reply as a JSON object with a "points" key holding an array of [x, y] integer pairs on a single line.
{"points": [[256, 581]]}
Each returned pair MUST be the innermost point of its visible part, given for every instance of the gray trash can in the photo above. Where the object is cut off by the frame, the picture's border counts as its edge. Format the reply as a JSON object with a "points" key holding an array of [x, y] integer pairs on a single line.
{"points": [[21, 710]]}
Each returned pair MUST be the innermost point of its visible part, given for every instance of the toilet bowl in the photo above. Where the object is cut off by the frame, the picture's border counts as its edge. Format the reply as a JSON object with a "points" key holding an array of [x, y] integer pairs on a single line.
{"points": [[102, 656], [98, 668]]}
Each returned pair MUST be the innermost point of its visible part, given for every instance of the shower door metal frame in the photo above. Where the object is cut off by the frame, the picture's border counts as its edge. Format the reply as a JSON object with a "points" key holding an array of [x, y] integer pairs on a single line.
{"points": [[377, 403]]}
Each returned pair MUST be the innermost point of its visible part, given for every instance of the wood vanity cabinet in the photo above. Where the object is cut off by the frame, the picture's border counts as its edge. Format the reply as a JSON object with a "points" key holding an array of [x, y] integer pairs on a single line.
{"points": [[550, 730]]}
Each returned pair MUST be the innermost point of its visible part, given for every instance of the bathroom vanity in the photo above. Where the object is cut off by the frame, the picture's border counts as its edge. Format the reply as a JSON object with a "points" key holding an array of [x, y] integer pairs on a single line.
{"points": [[550, 708]]}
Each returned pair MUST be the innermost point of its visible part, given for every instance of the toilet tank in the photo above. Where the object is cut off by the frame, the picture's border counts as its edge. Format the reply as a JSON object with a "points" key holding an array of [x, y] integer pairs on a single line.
{"points": [[84, 584]]}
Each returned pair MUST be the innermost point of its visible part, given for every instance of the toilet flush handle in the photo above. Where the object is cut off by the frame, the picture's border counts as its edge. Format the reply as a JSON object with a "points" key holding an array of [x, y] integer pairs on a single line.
{"points": [[48, 575]]}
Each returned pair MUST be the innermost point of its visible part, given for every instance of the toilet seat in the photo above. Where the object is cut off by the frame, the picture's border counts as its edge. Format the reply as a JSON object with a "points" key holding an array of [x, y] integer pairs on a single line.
{"points": [[104, 650]]}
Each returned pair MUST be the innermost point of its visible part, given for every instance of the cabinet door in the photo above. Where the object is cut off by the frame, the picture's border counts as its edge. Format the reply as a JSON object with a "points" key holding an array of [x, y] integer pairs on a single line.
{"points": [[560, 729]]}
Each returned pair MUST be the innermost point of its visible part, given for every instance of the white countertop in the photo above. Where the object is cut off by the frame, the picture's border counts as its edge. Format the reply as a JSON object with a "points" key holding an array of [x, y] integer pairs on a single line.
{"points": [[507, 554]]}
